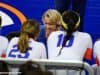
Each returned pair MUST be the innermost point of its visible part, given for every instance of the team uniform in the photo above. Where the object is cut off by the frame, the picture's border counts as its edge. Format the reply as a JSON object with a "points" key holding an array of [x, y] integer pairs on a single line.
{"points": [[79, 46], [3, 45], [97, 51], [36, 50]]}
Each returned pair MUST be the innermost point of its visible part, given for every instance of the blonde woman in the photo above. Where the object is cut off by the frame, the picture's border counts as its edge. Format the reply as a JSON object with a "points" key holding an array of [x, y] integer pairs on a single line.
{"points": [[52, 22], [26, 45]]}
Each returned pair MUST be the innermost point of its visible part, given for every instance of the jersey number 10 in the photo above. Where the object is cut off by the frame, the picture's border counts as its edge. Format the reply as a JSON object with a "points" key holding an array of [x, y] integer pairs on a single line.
{"points": [[69, 43]]}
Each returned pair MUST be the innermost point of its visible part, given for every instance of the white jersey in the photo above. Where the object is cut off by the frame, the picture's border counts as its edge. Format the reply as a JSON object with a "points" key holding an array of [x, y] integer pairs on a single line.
{"points": [[97, 50], [75, 48], [36, 50], [3, 44], [79, 46]]}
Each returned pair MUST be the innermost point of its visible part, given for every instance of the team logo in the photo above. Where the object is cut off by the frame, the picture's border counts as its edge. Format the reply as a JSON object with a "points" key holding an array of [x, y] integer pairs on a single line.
{"points": [[11, 18]]}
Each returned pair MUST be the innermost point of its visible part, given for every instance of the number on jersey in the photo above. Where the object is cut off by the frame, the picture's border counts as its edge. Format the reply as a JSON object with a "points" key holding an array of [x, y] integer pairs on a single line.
{"points": [[69, 43], [14, 53]]}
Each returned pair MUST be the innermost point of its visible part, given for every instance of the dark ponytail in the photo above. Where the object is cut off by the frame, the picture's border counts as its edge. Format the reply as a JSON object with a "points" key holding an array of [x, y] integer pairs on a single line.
{"points": [[70, 23]]}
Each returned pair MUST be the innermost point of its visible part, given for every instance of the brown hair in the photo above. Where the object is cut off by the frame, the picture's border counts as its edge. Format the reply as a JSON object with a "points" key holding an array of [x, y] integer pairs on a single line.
{"points": [[3, 67], [30, 29], [32, 68]]}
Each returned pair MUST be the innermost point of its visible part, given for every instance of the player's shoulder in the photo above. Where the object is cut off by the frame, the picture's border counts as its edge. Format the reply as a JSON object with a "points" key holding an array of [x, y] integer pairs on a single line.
{"points": [[85, 34], [2, 38], [36, 43], [56, 33], [40, 44], [14, 39], [97, 42]]}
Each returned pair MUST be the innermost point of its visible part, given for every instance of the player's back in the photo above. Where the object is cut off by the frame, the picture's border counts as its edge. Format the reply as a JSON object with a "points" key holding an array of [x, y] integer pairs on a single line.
{"points": [[36, 50], [3, 44], [74, 48]]}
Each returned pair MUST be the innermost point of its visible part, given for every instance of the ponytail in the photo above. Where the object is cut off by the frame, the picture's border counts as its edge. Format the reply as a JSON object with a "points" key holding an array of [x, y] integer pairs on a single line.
{"points": [[70, 23], [30, 29], [23, 42]]}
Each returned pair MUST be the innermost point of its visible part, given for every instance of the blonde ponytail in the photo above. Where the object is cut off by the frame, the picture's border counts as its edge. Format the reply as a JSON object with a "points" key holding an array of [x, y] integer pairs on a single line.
{"points": [[30, 29], [23, 42]]}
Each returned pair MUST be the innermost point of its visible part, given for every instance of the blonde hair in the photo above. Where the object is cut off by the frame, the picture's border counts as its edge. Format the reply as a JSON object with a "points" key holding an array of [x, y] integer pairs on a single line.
{"points": [[30, 29], [53, 15]]}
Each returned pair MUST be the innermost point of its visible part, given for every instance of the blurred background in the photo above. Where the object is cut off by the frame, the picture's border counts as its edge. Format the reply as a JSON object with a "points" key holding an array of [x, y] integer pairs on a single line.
{"points": [[35, 9]]}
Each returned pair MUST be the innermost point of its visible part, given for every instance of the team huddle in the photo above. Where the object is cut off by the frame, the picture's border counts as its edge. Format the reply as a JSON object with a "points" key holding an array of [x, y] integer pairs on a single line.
{"points": [[63, 40]]}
